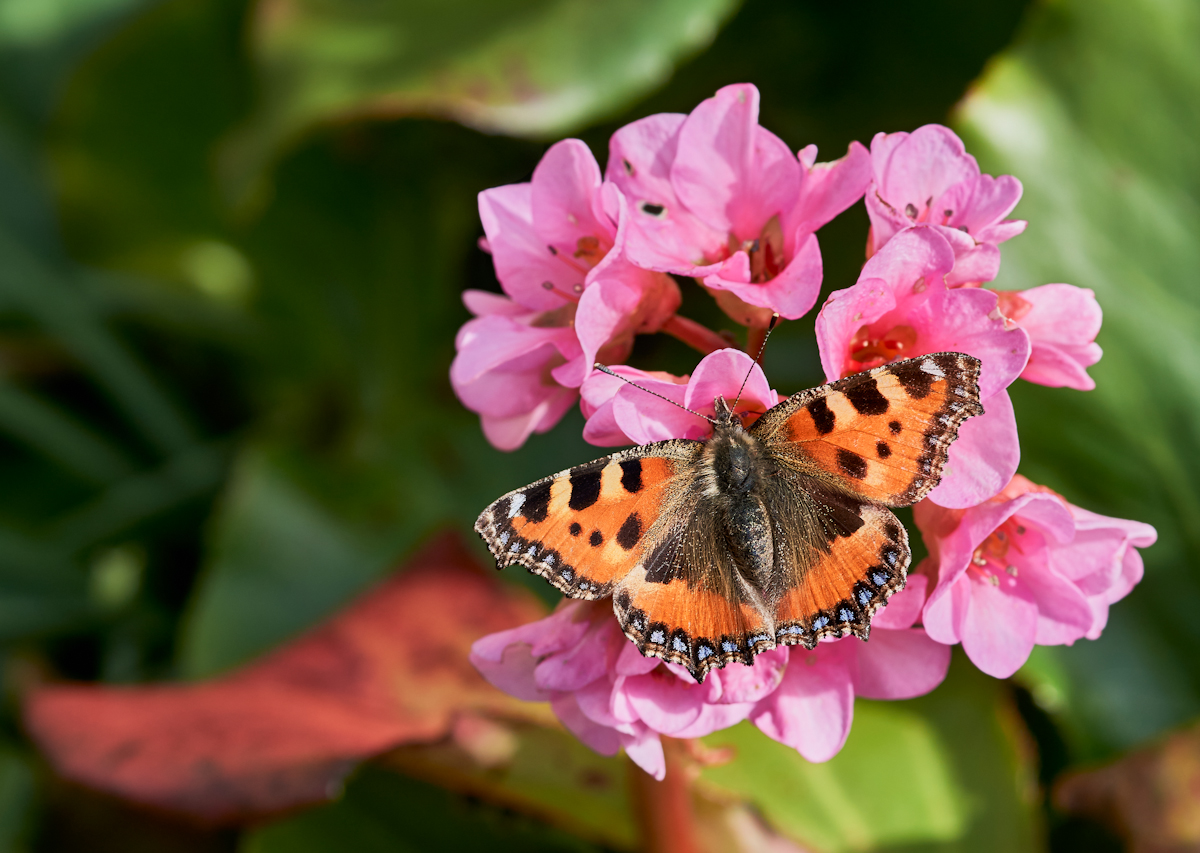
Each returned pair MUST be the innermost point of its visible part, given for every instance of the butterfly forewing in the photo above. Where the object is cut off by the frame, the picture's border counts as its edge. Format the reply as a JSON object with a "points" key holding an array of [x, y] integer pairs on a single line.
{"points": [[583, 529], [885, 432]]}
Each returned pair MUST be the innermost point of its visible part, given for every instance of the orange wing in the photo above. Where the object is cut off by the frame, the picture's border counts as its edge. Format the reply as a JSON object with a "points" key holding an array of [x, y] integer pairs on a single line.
{"points": [[884, 433], [583, 529], [878, 437], [851, 578], [686, 600]]}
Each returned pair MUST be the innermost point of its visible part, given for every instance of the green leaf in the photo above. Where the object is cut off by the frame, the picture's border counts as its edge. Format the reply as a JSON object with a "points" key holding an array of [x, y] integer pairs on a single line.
{"points": [[16, 799], [539, 770], [1094, 110], [945, 772], [525, 67], [382, 812]]}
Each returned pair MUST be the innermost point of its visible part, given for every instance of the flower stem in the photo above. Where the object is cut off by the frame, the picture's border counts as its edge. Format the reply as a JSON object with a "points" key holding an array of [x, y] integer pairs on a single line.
{"points": [[695, 335], [664, 809]]}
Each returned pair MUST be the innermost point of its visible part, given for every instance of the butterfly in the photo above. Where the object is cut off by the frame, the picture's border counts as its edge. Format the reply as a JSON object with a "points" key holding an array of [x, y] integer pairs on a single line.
{"points": [[717, 550]]}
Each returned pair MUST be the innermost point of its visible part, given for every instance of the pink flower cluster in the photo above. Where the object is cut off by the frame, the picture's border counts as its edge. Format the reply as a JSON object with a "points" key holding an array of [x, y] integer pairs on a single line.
{"points": [[587, 262], [609, 696]]}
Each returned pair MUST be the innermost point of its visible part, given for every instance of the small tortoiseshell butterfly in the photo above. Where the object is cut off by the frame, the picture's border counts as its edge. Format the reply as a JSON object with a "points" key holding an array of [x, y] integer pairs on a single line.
{"points": [[776, 534]]}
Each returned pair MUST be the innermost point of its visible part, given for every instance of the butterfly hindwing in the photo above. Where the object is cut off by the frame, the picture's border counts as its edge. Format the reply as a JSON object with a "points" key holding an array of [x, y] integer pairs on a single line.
{"points": [[883, 433], [686, 601], [583, 529], [832, 584]]}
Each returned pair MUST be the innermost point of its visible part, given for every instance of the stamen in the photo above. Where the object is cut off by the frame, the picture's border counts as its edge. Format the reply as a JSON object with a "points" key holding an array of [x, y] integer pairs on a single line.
{"points": [[550, 286]]}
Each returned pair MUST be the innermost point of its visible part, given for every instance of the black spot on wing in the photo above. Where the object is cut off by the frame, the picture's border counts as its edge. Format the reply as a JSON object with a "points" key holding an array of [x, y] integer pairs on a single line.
{"points": [[630, 532], [631, 475], [596, 539], [894, 426], [882, 450], [576, 528], [915, 381], [866, 398], [822, 415], [537, 502], [851, 463], [585, 485]]}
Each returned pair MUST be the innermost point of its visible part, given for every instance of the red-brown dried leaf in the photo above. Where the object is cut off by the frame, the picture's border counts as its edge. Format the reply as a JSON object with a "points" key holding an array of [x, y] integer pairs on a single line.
{"points": [[1150, 797], [390, 669]]}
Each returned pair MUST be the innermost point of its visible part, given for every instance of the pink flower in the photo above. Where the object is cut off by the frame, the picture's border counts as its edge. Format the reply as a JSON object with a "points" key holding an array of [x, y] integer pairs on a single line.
{"points": [[556, 245], [610, 696], [927, 177], [1062, 322], [618, 413], [505, 367], [813, 706], [901, 307], [717, 197], [1022, 569]]}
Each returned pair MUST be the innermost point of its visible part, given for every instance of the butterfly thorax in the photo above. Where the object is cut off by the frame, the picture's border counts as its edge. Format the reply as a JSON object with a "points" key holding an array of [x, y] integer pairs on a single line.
{"points": [[734, 473]]}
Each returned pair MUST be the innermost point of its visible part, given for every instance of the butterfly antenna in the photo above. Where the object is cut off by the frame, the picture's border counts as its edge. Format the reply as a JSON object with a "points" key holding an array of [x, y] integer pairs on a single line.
{"points": [[757, 359], [610, 372]]}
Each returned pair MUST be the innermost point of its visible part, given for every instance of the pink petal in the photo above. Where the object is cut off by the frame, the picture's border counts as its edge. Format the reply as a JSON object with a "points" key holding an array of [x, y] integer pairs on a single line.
{"points": [[812, 708], [510, 432], [579, 665], [728, 171], [1064, 613], [632, 662], [992, 199], [507, 658], [563, 196], [664, 702], [721, 374], [497, 342], [904, 607], [981, 262], [596, 702], [1140, 534], [604, 309], [827, 189], [645, 750], [841, 317], [791, 294], [983, 458], [482, 303], [646, 418], [511, 670], [522, 260], [598, 392], [946, 610], [602, 739], [912, 168], [1000, 626], [900, 664], [1062, 324], [741, 683], [1002, 231], [968, 320], [714, 717], [639, 164]]}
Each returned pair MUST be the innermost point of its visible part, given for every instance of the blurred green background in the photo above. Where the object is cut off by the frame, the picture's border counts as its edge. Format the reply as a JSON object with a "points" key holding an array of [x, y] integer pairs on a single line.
{"points": [[233, 237]]}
